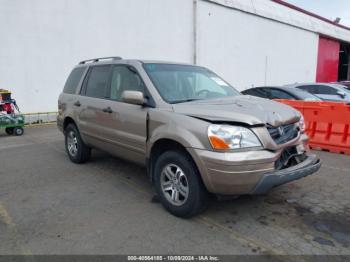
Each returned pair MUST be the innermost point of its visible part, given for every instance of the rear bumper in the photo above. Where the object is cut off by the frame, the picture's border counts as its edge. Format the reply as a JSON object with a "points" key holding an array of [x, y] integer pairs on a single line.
{"points": [[60, 123], [269, 180]]}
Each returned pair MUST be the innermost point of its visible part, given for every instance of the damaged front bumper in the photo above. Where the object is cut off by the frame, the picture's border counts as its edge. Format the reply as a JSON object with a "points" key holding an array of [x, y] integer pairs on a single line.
{"points": [[250, 172], [269, 180]]}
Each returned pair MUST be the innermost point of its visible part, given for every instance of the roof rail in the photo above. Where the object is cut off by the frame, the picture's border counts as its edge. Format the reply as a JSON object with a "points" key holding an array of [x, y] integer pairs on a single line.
{"points": [[99, 59]]}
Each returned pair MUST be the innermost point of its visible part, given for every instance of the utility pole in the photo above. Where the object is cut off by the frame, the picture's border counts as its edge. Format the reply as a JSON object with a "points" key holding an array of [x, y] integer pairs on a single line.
{"points": [[195, 14]]}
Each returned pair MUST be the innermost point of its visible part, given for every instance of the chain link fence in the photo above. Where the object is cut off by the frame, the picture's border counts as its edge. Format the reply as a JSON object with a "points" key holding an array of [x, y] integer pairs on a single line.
{"points": [[40, 118]]}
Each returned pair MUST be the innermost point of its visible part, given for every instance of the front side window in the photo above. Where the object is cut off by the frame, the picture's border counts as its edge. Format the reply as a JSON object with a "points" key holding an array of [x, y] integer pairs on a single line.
{"points": [[124, 78], [181, 83], [97, 83]]}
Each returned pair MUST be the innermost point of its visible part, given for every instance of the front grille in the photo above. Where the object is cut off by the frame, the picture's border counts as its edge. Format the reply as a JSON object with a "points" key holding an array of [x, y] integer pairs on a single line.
{"points": [[283, 134]]}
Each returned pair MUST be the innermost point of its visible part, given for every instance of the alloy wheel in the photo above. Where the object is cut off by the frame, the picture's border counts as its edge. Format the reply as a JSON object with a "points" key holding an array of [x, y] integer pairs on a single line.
{"points": [[174, 184], [72, 143]]}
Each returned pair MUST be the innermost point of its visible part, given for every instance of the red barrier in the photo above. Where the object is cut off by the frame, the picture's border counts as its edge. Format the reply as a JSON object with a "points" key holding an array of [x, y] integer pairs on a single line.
{"points": [[327, 124]]}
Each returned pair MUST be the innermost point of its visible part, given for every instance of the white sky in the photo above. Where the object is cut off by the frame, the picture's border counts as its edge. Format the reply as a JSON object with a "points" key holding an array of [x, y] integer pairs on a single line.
{"points": [[327, 8]]}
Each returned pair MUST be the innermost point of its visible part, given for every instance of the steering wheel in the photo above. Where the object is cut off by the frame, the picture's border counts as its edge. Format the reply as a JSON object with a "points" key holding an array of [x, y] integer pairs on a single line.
{"points": [[203, 93]]}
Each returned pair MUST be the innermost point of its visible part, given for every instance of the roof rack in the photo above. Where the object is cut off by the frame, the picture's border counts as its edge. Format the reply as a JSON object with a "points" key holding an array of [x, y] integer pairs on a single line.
{"points": [[99, 59]]}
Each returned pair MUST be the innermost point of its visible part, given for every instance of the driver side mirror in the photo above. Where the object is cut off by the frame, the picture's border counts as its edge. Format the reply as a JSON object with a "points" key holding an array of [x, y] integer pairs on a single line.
{"points": [[133, 97], [341, 94]]}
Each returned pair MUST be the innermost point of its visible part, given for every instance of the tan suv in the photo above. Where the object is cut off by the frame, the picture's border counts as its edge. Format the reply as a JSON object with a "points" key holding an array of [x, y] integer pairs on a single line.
{"points": [[193, 131]]}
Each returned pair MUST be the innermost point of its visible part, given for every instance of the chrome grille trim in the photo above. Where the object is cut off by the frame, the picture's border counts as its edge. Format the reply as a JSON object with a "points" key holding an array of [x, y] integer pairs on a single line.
{"points": [[283, 134]]}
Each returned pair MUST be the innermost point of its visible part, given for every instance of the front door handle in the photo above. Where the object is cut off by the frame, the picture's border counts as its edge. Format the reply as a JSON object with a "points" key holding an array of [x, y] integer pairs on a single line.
{"points": [[107, 110], [77, 103]]}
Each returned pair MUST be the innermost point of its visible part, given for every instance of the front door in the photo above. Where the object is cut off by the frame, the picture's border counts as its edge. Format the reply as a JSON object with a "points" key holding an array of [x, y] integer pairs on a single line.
{"points": [[126, 128], [106, 122]]}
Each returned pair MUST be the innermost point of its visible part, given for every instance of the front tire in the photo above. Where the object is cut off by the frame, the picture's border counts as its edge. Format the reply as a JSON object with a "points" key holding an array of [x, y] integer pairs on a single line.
{"points": [[178, 184], [76, 149]]}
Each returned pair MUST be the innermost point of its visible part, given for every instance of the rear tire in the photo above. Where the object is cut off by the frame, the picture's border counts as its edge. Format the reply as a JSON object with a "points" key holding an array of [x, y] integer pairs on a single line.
{"points": [[9, 130], [18, 131], [76, 149], [179, 185]]}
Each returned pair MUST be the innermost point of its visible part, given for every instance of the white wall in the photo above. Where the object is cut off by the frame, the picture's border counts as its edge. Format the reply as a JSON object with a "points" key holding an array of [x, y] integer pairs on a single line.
{"points": [[41, 40], [243, 48]]}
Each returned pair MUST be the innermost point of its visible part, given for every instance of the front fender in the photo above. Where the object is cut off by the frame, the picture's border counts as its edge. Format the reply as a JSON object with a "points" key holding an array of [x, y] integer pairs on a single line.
{"points": [[176, 133], [188, 131]]}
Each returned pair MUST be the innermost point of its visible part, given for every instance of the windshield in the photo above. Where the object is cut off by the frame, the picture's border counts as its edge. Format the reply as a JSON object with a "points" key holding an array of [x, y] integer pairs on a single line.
{"points": [[183, 83]]}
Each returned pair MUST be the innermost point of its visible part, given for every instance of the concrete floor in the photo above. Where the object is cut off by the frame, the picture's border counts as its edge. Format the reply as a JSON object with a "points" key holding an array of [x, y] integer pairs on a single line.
{"points": [[49, 205]]}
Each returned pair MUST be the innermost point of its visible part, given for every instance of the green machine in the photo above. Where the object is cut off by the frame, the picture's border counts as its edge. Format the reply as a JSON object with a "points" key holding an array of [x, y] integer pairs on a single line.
{"points": [[10, 117]]}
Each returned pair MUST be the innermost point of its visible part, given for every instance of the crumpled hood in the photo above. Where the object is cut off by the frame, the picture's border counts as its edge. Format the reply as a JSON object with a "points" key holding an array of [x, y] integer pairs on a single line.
{"points": [[249, 110]]}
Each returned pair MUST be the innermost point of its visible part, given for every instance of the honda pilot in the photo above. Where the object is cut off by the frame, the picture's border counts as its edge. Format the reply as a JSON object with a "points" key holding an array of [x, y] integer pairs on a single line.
{"points": [[195, 134]]}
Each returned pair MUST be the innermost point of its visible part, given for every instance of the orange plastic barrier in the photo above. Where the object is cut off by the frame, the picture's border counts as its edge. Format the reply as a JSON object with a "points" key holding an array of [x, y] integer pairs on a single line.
{"points": [[327, 124]]}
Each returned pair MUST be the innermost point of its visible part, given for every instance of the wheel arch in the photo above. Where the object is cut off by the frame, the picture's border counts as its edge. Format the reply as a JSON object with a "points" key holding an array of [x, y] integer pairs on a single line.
{"points": [[68, 120], [162, 145]]}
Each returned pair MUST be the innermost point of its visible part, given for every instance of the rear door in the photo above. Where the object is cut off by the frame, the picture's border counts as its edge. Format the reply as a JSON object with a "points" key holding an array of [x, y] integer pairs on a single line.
{"points": [[93, 117]]}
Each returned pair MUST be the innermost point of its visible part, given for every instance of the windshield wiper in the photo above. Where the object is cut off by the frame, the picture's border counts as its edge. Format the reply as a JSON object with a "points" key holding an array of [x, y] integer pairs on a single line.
{"points": [[184, 100]]}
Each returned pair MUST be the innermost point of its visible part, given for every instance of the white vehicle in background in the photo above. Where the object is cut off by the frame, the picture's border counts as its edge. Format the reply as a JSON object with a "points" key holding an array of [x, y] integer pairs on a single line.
{"points": [[325, 91]]}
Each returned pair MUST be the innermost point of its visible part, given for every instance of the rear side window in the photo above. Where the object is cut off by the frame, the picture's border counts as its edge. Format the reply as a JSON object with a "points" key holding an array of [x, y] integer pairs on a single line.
{"points": [[73, 80], [97, 83]]}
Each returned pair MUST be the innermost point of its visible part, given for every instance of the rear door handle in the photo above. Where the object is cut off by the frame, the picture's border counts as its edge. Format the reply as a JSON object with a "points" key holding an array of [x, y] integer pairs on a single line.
{"points": [[77, 103], [107, 110]]}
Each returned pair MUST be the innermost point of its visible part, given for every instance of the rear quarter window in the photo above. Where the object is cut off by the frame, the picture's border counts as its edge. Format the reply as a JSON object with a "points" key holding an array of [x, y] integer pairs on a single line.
{"points": [[73, 80]]}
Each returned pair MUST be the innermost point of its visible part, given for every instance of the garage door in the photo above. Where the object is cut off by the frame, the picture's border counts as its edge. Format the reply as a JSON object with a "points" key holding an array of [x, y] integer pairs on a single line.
{"points": [[328, 60]]}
